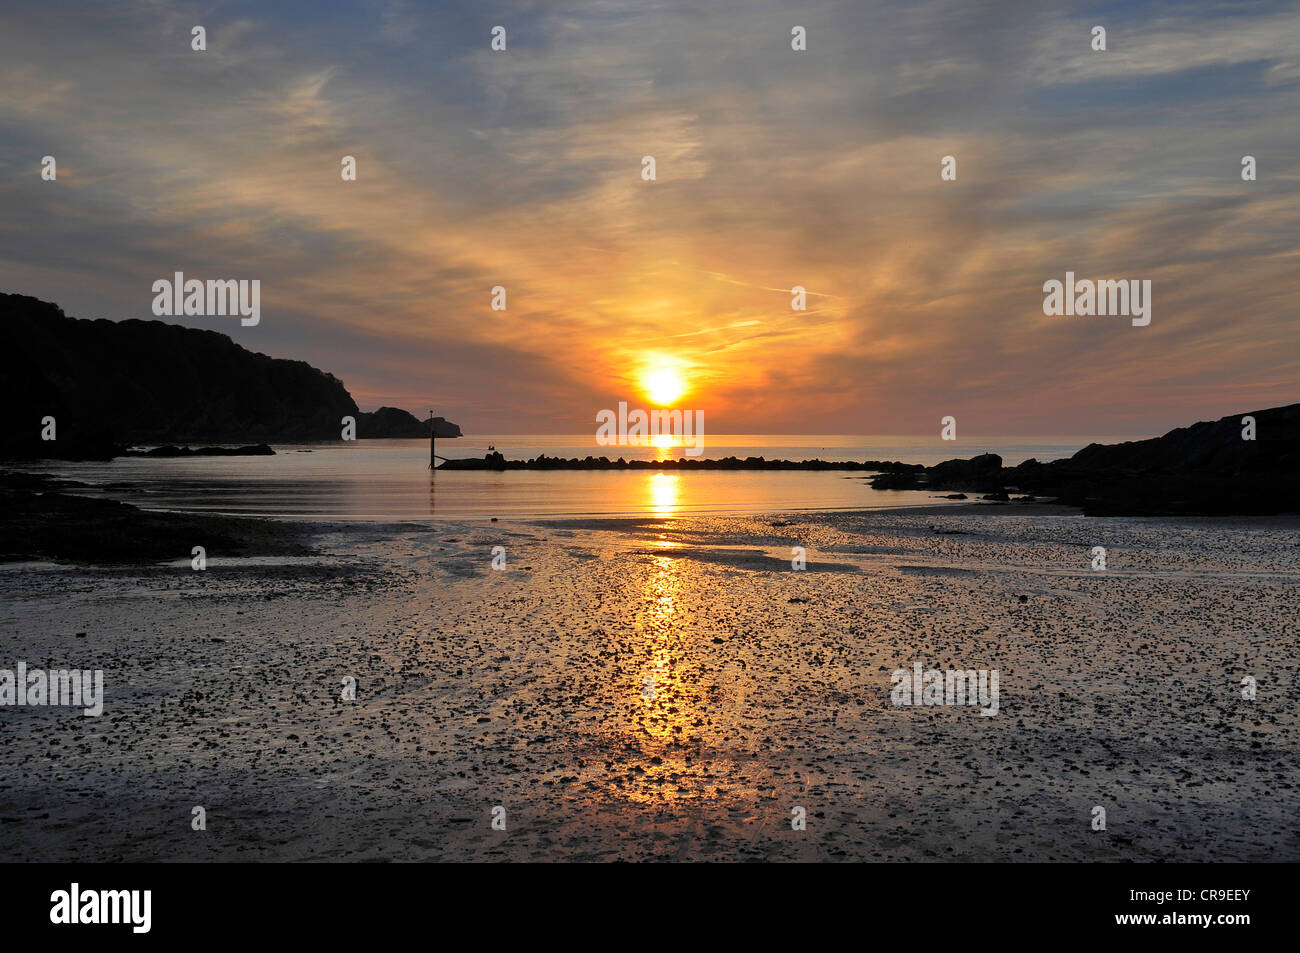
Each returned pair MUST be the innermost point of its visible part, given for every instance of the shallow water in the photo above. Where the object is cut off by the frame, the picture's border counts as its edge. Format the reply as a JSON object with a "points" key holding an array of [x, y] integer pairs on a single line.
{"points": [[390, 479]]}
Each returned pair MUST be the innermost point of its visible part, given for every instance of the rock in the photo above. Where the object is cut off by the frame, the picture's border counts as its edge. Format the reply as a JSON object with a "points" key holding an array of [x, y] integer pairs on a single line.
{"points": [[1206, 469], [497, 461], [254, 450], [895, 481], [392, 422], [982, 473]]}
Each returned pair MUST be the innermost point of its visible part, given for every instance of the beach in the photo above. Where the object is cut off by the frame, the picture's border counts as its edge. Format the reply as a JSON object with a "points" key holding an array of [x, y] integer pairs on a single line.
{"points": [[670, 689]]}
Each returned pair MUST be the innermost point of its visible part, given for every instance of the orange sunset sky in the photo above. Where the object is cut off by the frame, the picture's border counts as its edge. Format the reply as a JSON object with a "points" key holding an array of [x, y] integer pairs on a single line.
{"points": [[775, 168]]}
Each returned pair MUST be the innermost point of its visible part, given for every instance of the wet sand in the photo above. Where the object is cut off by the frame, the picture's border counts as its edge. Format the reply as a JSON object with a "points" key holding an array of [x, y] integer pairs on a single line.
{"points": [[526, 688]]}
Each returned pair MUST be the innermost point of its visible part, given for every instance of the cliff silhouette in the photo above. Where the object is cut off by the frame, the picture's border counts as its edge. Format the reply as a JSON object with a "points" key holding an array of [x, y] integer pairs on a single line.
{"points": [[109, 384]]}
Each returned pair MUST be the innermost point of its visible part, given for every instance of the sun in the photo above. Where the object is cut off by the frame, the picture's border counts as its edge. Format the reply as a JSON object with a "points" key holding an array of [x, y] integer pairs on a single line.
{"points": [[663, 386]]}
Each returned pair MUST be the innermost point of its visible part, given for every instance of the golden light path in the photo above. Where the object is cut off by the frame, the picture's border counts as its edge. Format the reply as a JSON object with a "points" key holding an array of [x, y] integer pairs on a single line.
{"points": [[664, 714], [672, 701]]}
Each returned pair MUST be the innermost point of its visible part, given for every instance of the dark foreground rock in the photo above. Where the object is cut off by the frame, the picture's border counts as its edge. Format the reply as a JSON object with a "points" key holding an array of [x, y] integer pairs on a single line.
{"points": [[1207, 469], [39, 520]]}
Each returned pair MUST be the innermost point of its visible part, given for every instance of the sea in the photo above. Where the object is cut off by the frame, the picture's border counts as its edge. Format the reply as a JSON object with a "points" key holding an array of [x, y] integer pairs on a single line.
{"points": [[383, 480]]}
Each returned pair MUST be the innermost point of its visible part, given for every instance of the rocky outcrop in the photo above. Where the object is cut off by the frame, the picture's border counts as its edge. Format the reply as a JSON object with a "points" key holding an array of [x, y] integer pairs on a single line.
{"points": [[497, 461], [981, 474], [1206, 469], [256, 450], [392, 422]]}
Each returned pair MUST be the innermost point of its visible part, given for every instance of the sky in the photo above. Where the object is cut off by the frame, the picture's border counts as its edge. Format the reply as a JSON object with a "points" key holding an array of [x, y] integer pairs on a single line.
{"points": [[774, 168]]}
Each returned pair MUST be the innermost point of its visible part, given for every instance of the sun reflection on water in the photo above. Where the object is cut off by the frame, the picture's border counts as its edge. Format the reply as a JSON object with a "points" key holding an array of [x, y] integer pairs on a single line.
{"points": [[662, 492], [663, 711], [666, 741]]}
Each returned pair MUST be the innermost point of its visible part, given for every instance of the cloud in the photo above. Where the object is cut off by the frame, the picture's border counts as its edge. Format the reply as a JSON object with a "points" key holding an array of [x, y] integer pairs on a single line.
{"points": [[775, 168]]}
